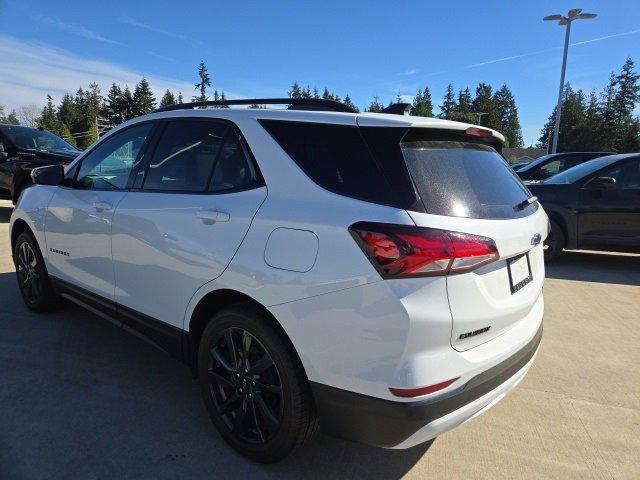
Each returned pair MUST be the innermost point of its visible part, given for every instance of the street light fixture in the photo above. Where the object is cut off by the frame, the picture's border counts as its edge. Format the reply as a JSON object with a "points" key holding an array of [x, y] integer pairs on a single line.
{"points": [[574, 14]]}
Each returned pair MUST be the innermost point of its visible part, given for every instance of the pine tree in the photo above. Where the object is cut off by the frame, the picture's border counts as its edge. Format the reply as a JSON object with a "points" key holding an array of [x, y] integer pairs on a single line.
{"points": [[448, 103], [316, 94], [67, 113], [203, 84], [296, 91], [128, 106], [168, 99], [306, 93], [375, 105], [507, 114], [483, 102], [143, 100], [12, 118], [422, 105], [573, 115], [48, 119], [179, 97], [347, 101], [112, 106], [223, 98]]}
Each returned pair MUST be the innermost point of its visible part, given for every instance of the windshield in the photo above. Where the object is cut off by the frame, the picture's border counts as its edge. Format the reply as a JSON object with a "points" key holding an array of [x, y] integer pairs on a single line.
{"points": [[576, 173], [33, 139], [461, 179], [536, 162]]}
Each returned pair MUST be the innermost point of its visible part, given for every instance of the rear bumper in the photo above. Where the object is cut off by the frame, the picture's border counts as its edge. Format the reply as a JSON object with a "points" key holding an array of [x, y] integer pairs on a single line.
{"points": [[391, 424]]}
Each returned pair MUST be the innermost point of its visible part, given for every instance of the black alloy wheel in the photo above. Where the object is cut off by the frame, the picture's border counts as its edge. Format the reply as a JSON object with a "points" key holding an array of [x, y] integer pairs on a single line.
{"points": [[254, 385], [245, 386]]}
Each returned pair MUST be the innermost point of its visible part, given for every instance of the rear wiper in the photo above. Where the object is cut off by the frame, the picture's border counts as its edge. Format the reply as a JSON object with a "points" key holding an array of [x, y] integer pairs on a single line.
{"points": [[525, 203]]}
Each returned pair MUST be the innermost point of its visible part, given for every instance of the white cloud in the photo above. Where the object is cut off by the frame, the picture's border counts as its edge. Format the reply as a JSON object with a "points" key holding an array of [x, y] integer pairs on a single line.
{"points": [[31, 70], [73, 29], [145, 26]]}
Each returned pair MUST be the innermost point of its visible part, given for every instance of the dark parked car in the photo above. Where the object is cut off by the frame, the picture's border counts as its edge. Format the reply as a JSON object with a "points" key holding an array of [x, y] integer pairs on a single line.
{"points": [[549, 165], [24, 148], [594, 206]]}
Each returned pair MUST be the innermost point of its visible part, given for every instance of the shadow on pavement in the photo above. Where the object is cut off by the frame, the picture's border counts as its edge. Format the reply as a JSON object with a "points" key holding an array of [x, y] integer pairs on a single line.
{"points": [[5, 213], [83, 399], [623, 269]]}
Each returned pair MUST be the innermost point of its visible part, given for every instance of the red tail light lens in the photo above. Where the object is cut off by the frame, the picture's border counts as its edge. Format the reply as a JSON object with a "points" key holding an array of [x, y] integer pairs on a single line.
{"points": [[408, 251], [416, 392]]}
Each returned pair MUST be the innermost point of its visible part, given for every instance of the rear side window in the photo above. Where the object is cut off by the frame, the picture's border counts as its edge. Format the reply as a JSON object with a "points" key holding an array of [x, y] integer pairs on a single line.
{"points": [[185, 156], [333, 156], [462, 179]]}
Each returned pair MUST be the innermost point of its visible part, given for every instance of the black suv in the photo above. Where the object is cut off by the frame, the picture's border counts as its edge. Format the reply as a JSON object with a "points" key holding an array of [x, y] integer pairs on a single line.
{"points": [[549, 165], [23, 149], [593, 206]]}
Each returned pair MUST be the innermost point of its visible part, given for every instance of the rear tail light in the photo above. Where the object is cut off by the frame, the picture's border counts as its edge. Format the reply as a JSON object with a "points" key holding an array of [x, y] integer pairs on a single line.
{"points": [[478, 132], [407, 251]]}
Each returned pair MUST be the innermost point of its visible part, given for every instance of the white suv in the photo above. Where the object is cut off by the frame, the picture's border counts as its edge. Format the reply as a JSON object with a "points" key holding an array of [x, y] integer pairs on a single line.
{"points": [[379, 275]]}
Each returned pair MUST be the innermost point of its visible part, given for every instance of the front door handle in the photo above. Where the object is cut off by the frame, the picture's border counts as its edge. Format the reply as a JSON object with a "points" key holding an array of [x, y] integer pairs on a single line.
{"points": [[102, 206], [209, 217]]}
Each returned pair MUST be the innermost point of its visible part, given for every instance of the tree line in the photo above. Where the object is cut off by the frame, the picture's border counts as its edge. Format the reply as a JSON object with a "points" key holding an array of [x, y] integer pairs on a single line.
{"points": [[602, 122], [599, 122]]}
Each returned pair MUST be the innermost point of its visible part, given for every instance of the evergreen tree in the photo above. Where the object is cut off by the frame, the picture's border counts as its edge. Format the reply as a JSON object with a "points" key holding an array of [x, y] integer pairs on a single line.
{"points": [[128, 106], [465, 104], [306, 93], [203, 84], [448, 103], [67, 113], [422, 105], [112, 108], [48, 119], [179, 97], [168, 99], [296, 91], [223, 98], [12, 118], [316, 94], [347, 101], [573, 114], [375, 105], [143, 100], [484, 103], [507, 114]]}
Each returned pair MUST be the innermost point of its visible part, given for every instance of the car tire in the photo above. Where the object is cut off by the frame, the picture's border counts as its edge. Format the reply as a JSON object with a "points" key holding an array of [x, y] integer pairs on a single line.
{"points": [[33, 279], [254, 385], [554, 243]]}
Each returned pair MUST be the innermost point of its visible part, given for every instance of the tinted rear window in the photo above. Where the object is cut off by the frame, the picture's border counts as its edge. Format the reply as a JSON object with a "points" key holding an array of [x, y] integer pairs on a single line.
{"points": [[335, 157], [462, 179]]}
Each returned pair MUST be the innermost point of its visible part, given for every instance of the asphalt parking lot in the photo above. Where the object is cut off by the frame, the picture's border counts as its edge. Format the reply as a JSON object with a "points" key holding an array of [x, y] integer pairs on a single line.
{"points": [[80, 399]]}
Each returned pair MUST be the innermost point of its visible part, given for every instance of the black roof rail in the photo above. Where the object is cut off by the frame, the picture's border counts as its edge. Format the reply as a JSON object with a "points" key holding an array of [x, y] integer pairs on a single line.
{"points": [[294, 104], [398, 109]]}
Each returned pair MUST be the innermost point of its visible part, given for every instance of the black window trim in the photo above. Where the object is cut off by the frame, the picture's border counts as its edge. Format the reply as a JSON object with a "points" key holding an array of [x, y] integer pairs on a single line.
{"points": [[72, 182], [231, 127]]}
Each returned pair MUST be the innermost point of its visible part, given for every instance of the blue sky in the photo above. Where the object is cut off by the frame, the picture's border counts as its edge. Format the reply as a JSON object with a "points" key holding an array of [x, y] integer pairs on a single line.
{"points": [[361, 48]]}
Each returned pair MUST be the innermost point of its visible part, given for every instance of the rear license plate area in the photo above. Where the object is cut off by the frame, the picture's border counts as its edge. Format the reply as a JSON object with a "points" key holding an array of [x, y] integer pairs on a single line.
{"points": [[519, 269]]}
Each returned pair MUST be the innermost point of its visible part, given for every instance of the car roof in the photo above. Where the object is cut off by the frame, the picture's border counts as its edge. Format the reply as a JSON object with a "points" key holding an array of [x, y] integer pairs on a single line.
{"points": [[344, 118]]}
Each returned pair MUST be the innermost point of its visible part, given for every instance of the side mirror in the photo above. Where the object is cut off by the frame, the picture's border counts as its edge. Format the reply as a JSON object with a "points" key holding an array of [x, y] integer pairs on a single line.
{"points": [[601, 183], [49, 175]]}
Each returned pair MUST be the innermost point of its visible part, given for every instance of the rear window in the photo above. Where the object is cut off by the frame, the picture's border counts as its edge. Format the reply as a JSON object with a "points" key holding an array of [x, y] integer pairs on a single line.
{"points": [[462, 179], [333, 156]]}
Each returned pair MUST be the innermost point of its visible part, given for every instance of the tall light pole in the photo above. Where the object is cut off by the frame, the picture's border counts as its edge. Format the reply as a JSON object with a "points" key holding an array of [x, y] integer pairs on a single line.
{"points": [[574, 14]]}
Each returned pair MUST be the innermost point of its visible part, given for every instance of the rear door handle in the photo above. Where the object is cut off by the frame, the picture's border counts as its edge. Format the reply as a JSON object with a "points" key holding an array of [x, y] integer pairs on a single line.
{"points": [[209, 217], [102, 206]]}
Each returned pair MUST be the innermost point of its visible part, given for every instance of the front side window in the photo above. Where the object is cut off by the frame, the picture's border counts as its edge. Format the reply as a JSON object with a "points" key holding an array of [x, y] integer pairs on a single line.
{"points": [[626, 175], [185, 156], [109, 165]]}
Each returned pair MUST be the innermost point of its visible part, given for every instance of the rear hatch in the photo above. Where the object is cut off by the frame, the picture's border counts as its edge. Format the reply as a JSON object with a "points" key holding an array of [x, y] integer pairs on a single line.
{"points": [[467, 187]]}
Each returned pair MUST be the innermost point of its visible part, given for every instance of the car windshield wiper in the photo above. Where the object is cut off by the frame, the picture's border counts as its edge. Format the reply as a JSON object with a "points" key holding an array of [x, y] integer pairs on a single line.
{"points": [[525, 203]]}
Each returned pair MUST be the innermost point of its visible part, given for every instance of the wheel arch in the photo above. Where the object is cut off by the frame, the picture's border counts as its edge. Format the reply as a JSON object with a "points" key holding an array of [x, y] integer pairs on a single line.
{"points": [[214, 302], [566, 221], [19, 226]]}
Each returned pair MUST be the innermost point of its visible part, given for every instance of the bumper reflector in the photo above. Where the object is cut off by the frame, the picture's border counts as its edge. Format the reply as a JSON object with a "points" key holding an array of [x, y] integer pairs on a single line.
{"points": [[416, 392]]}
